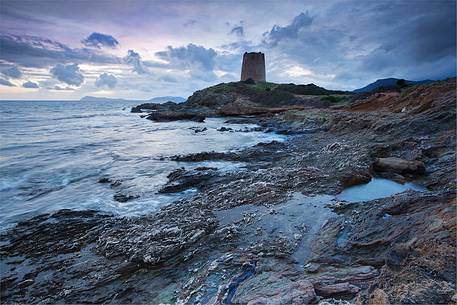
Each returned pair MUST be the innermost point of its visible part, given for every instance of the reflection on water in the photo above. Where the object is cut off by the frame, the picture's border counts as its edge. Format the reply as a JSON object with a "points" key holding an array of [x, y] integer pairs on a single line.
{"points": [[376, 188], [53, 153]]}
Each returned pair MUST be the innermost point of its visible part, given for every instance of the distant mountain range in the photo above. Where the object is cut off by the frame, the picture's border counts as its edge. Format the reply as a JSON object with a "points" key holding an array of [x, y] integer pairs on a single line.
{"points": [[388, 83], [158, 99], [163, 99]]}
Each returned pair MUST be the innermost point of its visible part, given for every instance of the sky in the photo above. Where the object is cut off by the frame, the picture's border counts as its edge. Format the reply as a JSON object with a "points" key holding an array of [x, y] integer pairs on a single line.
{"points": [[139, 49]]}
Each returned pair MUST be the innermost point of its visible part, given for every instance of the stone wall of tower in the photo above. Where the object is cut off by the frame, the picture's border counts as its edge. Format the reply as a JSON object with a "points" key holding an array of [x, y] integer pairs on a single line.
{"points": [[253, 67]]}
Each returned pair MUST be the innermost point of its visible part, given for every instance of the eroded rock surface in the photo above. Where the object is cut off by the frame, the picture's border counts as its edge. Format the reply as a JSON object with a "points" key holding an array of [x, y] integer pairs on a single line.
{"points": [[270, 232]]}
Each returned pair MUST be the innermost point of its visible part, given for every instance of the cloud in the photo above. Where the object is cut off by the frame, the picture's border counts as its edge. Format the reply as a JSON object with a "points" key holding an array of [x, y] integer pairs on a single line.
{"points": [[199, 60], [238, 31], [30, 85], [59, 88], [5, 82], [98, 40], [12, 72], [352, 44], [106, 80], [291, 31], [168, 79], [134, 59], [33, 51], [69, 74], [297, 71]]}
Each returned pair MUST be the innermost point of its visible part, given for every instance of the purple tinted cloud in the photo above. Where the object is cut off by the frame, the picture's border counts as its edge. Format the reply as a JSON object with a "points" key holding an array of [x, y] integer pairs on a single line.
{"points": [[33, 51], [106, 80], [134, 59], [69, 74], [98, 40]]}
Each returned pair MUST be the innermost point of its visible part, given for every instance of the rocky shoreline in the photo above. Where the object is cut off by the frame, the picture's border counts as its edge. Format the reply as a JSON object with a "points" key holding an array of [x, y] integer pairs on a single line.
{"points": [[274, 232]]}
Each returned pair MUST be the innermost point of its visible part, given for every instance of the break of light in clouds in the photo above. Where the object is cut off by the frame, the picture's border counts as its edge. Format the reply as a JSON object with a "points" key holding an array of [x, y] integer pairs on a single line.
{"points": [[142, 49]]}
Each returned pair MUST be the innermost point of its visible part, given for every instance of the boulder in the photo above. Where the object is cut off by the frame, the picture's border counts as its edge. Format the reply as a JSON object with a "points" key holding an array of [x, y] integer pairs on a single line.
{"points": [[136, 109], [399, 166], [356, 178]]}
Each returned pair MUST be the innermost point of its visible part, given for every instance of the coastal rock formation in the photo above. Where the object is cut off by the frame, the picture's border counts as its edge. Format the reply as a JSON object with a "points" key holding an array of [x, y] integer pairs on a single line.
{"points": [[243, 98], [168, 116], [272, 230]]}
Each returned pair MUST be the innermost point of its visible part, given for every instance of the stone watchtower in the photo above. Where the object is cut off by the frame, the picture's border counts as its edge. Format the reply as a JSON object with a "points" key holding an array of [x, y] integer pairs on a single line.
{"points": [[253, 67]]}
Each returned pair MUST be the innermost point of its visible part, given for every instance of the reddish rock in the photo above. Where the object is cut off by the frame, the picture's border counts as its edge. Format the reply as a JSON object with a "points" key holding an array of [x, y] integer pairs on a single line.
{"points": [[339, 289]]}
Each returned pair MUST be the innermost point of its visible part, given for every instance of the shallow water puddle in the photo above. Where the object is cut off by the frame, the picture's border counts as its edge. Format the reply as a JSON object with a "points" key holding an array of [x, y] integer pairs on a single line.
{"points": [[375, 189], [299, 219]]}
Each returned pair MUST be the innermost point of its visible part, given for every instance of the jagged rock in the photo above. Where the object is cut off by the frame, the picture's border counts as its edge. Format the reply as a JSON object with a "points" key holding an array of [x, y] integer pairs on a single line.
{"points": [[113, 183], [378, 297], [104, 180], [198, 130], [160, 237], [222, 129], [136, 109], [168, 116], [123, 197], [205, 156], [181, 179]]}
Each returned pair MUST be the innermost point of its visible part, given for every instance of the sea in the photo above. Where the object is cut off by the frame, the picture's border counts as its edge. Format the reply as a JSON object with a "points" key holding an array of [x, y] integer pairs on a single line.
{"points": [[52, 154]]}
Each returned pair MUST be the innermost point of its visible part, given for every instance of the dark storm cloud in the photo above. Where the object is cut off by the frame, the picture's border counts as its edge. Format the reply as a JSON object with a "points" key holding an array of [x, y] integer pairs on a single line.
{"points": [[33, 51], [12, 72], [106, 80], [7, 83], [30, 85], [357, 41], [99, 40], [69, 74]]}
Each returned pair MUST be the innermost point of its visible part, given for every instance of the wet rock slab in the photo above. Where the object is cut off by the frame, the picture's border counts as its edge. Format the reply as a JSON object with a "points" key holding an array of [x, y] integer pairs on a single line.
{"points": [[294, 222]]}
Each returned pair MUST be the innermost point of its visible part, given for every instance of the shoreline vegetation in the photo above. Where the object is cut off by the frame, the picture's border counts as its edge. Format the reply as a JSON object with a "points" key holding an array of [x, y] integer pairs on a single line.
{"points": [[274, 232]]}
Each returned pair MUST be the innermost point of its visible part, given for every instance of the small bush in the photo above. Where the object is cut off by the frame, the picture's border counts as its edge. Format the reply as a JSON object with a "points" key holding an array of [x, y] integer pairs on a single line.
{"points": [[333, 99]]}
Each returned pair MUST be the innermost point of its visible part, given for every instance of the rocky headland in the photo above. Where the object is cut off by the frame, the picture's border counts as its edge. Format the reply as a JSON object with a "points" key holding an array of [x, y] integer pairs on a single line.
{"points": [[275, 231]]}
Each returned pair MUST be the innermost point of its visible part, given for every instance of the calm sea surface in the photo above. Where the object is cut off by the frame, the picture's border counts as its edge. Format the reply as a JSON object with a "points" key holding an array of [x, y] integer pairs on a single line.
{"points": [[52, 154]]}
